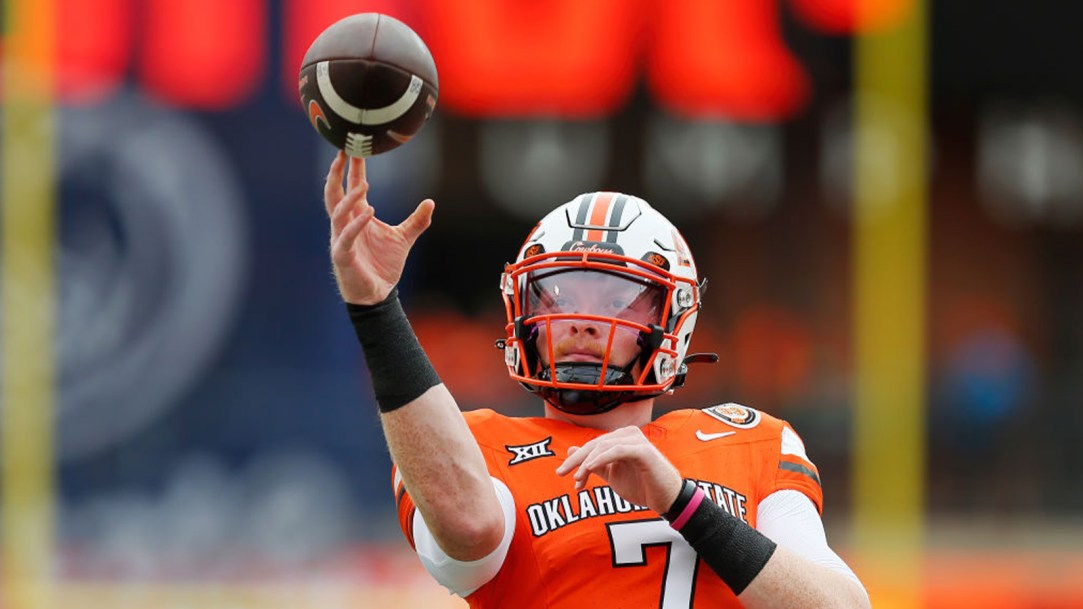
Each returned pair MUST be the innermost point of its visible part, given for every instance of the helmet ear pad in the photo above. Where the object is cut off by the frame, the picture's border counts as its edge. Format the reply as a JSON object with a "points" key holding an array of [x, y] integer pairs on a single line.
{"points": [[648, 343], [528, 338]]}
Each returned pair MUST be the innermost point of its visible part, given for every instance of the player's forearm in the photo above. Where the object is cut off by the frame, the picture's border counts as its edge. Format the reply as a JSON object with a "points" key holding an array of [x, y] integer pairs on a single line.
{"points": [[436, 454], [443, 469], [788, 580], [762, 573]]}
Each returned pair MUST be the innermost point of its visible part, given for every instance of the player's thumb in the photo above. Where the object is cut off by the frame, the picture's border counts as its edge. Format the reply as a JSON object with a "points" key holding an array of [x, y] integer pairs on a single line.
{"points": [[418, 221]]}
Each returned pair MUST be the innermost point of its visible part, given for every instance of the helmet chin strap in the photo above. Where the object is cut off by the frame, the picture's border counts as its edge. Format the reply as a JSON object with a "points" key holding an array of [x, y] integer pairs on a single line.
{"points": [[585, 401]]}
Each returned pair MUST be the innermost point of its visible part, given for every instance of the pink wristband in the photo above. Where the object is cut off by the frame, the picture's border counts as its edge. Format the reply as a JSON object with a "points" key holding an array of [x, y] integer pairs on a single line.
{"points": [[686, 513]]}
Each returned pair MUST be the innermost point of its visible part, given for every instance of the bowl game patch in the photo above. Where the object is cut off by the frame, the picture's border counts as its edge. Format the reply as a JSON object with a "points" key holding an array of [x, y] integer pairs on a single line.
{"points": [[736, 415]]}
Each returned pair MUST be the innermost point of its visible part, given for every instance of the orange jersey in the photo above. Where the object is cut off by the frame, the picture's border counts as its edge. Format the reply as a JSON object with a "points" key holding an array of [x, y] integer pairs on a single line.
{"points": [[592, 548]]}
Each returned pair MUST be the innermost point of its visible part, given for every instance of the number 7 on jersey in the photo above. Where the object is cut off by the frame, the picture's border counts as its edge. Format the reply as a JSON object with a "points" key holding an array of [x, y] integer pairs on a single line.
{"points": [[629, 541]]}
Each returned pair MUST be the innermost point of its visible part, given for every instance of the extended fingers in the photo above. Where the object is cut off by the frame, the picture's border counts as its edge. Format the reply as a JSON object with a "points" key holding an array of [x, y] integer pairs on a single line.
{"points": [[332, 189], [357, 174], [577, 454], [342, 244], [418, 221], [603, 457], [350, 206]]}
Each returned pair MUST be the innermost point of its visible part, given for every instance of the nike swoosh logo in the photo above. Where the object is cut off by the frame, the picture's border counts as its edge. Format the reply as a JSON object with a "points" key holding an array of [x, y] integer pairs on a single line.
{"points": [[707, 437]]}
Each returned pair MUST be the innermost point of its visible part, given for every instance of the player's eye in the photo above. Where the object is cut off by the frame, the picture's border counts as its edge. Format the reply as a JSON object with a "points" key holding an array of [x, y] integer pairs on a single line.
{"points": [[548, 301], [619, 304]]}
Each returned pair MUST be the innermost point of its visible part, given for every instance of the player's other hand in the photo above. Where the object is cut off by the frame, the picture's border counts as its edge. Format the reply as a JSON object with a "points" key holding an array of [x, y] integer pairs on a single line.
{"points": [[630, 464], [368, 255]]}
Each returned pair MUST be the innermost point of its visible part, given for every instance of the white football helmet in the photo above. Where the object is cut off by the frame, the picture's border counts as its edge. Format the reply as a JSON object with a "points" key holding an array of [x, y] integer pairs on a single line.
{"points": [[609, 261]]}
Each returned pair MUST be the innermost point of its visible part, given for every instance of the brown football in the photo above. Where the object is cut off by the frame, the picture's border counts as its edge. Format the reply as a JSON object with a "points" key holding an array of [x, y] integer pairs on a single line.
{"points": [[368, 84]]}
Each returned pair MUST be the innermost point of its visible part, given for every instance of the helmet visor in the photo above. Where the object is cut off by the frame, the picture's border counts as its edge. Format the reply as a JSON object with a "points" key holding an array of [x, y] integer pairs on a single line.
{"points": [[591, 292]]}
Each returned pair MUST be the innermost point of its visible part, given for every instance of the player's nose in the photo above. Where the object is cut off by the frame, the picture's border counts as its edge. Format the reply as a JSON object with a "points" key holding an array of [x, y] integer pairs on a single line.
{"points": [[584, 326]]}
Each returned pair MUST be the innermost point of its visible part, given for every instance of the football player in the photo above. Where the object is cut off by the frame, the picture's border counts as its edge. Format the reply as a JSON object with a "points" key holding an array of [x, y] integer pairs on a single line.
{"points": [[596, 503]]}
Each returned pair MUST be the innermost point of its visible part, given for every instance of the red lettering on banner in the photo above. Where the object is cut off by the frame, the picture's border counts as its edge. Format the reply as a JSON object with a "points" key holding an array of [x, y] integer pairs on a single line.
{"points": [[724, 59], [206, 54], [559, 58]]}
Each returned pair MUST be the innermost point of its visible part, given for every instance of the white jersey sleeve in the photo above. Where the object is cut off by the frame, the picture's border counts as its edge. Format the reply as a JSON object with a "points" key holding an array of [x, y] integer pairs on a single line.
{"points": [[790, 519], [463, 577]]}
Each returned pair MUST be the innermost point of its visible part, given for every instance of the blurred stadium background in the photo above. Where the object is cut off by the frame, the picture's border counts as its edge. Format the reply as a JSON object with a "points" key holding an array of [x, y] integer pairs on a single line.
{"points": [[886, 195]]}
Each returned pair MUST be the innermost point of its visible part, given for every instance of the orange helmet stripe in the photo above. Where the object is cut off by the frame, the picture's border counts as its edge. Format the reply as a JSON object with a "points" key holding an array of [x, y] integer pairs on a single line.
{"points": [[598, 215]]}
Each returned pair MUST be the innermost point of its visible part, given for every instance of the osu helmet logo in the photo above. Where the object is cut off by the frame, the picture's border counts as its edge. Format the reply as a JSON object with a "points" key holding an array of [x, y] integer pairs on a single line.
{"points": [[657, 260]]}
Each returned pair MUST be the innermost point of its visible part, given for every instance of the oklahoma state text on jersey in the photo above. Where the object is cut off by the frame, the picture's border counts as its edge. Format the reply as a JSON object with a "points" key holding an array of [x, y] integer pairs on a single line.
{"points": [[592, 548]]}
